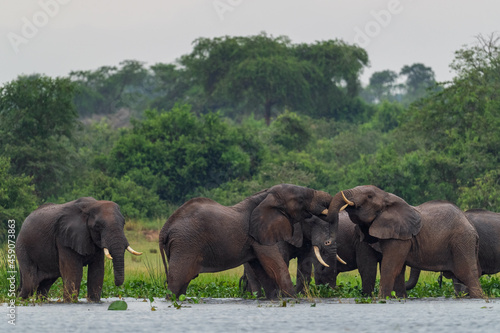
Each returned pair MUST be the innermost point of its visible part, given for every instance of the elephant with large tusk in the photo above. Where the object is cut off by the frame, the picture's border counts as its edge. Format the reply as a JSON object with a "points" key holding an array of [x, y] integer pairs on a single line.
{"points": [[306, 255], [435, 236], [204, 236], [57, 240]]}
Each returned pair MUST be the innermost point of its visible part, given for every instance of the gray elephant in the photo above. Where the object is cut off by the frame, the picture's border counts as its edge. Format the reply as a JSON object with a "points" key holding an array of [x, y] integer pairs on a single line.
{"points": [[435, 236], [357, 255], [351, 254], [305, 255], [487, 225], [204, 236], [57, 240]]}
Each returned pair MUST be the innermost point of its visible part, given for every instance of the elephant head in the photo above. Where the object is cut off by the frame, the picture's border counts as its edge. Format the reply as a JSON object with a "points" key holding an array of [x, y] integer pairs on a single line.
{"points": [[379, 214], [290, 213], [87, 225]]}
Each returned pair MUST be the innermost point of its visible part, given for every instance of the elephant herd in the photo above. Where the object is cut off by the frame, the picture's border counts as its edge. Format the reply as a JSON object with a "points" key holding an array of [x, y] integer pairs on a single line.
{"points": [[359, 228]]}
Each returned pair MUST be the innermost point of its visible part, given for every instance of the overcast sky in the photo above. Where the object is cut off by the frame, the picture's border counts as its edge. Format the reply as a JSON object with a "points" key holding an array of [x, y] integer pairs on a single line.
{"points": [[54, 37]]}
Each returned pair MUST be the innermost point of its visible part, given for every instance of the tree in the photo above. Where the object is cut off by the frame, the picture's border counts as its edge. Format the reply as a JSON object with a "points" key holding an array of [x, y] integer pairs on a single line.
{"points": [[381, 86], [456, 129], [419, 78], [290, 131], [334, 84], [267, 73], [37, 120], [172, 85], [17, 197], [109, 88], [175, 152]]}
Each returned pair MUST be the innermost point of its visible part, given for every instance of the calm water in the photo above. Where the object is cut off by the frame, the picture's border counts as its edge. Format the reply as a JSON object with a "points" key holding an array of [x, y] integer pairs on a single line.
{"points": [[236, 315]]}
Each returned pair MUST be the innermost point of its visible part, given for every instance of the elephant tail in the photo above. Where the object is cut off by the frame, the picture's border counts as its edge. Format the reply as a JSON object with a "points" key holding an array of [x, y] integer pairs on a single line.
{"points": [[163, 252]]}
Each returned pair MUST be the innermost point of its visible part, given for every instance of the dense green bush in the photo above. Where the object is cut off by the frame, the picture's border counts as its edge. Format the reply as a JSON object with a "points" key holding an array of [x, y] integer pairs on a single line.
{"points": [[175, 152], [135, 201], [17, 198]]}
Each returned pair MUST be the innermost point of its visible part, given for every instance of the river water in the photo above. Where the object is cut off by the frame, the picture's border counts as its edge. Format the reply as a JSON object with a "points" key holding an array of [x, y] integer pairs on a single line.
{"points": [[238, 315]]}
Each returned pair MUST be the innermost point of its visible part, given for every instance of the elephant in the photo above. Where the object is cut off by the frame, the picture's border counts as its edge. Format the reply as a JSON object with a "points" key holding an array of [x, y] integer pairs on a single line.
{"points": [[357, 255], [434, 236], [57, 240], [354, 253], [304, 254], [205, 236], [487, 225]]}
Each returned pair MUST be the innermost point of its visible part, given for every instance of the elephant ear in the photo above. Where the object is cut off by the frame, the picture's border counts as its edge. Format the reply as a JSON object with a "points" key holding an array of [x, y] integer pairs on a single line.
{"points": [[398, 220], [268, 224], [73, 231]]}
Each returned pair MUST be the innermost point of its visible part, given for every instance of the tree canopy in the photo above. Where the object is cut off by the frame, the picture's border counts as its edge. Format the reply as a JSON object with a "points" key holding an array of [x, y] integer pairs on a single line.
{"points": [[37, 122], [265, 72], [200, 130]]}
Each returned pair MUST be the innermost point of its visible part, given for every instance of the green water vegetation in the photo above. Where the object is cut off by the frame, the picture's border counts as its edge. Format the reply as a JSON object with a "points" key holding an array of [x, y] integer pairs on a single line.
{"points": [[240, 114], [146, 280]]}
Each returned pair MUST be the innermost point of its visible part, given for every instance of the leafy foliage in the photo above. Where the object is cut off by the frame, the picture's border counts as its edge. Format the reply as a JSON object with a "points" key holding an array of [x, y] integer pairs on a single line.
{"points": [[265, 72], [17, 197], [444, 145], [37, 122], [176, 152]]}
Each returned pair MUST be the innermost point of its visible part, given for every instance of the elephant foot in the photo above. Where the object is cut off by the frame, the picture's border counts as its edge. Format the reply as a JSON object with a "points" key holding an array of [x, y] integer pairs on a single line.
{"points": [[94, 300]]}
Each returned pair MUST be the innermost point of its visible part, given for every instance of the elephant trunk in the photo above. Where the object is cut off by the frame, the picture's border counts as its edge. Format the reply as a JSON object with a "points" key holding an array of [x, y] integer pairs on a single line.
{"points": [[119, 268], [337, 204]]}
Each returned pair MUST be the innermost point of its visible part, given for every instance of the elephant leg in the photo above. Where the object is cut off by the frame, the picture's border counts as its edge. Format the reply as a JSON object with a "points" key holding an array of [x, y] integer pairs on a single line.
{"points": [[95, 278], [470, 280], [253, 284], [71, 270], [268, 284], [272, 261], [466, 268], [399, 283], [29, 279], [29, 287], [44, 286], [394, 253], [367, 267], [459, 287], [180, 272]]}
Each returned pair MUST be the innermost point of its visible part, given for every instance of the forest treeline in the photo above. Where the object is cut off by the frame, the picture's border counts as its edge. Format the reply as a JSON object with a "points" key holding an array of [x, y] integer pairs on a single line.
{"points": [[239, 114]]}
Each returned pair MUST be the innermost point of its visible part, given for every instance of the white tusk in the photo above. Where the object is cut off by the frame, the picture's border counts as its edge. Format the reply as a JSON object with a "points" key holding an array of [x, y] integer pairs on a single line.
{"points": [[106, 253], [343, 207], [318, 256], [341, 261], [325, 212], [347, 201], [131, 250]]}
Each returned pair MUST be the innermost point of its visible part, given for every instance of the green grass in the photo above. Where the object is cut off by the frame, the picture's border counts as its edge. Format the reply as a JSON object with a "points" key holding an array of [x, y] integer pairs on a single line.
{"points": [[145, 277]]}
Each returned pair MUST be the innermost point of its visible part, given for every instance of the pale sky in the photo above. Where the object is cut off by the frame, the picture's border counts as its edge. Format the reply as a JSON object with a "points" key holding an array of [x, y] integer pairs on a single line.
{"points": [[54, 37]]}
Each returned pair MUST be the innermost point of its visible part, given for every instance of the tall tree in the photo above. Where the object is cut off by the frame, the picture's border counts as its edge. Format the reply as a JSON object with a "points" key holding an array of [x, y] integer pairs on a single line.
{"points": [[419, 78], [105, 90], [37, 120], [269, 73], [381, 86]]}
